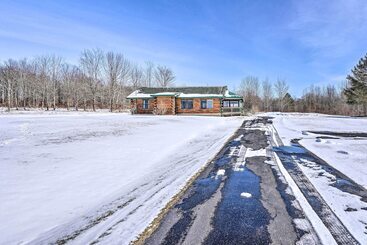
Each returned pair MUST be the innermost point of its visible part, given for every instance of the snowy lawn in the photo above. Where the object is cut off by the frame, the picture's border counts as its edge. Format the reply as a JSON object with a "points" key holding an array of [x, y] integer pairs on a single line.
{"points": [[346, 154], [100, 176]]}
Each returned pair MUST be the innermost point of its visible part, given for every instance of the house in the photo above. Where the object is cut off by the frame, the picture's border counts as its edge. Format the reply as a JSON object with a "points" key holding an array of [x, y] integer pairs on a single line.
{"points": [[186, 100]]}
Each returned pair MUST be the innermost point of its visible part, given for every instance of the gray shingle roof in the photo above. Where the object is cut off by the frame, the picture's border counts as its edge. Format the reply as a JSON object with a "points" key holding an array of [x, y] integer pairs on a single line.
{"points": [[186, 90]]}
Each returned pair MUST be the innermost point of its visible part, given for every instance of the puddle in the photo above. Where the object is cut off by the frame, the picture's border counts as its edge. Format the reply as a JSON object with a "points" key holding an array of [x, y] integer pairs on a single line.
{"points": [[290, 149]]}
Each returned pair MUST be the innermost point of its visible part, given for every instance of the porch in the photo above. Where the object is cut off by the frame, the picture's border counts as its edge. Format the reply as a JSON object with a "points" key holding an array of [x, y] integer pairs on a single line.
{"points": [[231, 107]]}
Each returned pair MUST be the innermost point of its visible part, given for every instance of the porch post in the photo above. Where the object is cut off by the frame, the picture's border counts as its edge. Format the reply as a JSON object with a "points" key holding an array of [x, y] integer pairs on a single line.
{"points": [[221, 107]]}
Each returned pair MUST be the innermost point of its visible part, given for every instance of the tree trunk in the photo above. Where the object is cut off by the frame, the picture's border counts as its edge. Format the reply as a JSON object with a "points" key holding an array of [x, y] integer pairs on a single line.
{"points": [[16, 101], [9, 94], [94, 103], [76, 103], [54, 101], [111, 104]]}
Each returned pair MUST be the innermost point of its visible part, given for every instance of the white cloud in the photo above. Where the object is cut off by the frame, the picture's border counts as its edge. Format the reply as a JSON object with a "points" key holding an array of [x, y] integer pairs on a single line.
{"points": [[330, 29]]}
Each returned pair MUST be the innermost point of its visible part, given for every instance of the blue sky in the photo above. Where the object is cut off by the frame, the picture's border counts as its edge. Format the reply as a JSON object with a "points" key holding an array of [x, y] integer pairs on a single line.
{"points": [[204, 42]]}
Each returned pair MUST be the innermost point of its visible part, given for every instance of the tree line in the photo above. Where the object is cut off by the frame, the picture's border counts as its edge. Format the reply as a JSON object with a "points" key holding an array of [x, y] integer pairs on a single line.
{"points": [[266, 96], [100, 80], [346, 98], [104, 79]]}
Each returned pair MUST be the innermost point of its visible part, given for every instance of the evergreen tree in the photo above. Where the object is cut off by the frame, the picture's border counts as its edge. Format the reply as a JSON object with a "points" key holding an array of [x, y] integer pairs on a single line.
{"points": [[288, 102], [356, 91]]}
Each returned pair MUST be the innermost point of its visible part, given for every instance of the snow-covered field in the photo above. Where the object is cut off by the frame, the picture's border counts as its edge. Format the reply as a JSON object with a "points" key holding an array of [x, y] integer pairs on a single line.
{"points": [[96, 176], [346, 154]]}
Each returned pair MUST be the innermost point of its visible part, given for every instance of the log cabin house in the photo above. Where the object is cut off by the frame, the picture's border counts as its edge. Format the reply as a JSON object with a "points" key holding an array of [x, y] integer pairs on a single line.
{"points": [[186, 100]]}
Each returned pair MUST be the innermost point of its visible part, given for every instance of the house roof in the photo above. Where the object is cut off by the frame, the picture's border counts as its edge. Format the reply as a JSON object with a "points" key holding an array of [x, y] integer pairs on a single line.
{"points": [[184, 92]]}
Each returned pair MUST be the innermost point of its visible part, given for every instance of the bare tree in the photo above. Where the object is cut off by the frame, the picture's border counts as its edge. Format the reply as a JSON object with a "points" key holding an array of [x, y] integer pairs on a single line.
{"points": [[70, 84], [281, 89], [136, 76], [25, 80], [43, 70], [79, 84], [149, 74], [123, 82], [91, 62], [117, 69], [164, 77], [55, 73], [249, 89], [47, 81], [267, 94], [9, 76]]}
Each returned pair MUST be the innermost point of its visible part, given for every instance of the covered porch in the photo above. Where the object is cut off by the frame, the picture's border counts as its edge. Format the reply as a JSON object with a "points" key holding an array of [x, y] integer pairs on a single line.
{"points": [[232, 106]]}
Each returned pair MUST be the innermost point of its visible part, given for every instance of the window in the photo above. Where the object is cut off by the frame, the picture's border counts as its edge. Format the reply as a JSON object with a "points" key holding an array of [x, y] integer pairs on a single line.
{"points": [[145, 104], [186, 104], [206, 104], [234, 103], [203, 104], [231, 103], [209, 104]]}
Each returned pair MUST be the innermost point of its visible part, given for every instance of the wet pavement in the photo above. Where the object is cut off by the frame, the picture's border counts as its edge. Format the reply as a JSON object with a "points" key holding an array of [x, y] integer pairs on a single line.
{"points": [[237, 199]]}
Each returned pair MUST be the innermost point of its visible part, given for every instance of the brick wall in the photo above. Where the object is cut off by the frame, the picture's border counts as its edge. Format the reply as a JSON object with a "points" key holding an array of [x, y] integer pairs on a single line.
{"points": [[166, 105], [138, 104], [170, 106], [197, 106]]}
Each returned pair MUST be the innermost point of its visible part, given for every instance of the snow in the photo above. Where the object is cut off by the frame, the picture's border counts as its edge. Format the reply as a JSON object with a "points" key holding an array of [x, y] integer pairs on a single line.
{"points": [[322, 231], [103, 175], [255, 153], [346, 154], [165, 94], [339, 201], [229, 95], [353, 164], [221, 172], [138, 95], [246, 195], [183, 95]]}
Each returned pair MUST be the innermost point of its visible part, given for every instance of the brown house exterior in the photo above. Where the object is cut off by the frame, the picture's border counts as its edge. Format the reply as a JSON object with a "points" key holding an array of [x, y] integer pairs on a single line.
{"points": [[186, 100]]}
